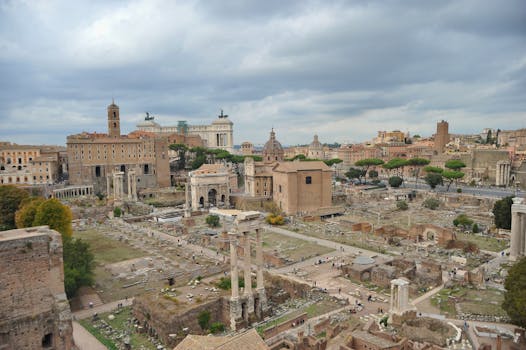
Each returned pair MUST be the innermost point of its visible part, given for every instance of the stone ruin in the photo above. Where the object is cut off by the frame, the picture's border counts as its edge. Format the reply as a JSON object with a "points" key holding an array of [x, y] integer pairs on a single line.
{"points": [[35, 312], [247, 307]]}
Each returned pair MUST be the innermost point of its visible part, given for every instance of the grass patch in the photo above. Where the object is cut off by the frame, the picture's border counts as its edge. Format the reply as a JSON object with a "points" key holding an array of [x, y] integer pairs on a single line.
{"points": [[485, 243], [107, 250], [293, 249], [97, 334], [121, 323], [480, 302]]}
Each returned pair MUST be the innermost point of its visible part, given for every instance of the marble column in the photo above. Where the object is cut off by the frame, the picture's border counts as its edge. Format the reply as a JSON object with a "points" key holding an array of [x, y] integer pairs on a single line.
{"points": [[248, 273], [235, 305], [516, 241], [108, 187]]}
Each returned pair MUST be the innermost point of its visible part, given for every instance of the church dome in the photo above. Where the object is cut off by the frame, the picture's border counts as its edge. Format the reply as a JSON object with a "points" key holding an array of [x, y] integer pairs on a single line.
{"points": [[315, 144], [273, 151]]}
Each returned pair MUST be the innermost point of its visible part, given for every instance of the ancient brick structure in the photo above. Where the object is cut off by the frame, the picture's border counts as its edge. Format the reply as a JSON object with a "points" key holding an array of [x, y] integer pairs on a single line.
{"points": [[34, 312]]}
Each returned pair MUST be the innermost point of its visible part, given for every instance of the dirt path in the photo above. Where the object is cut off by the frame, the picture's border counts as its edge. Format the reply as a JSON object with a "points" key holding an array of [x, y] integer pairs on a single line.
{"points": [[84, 340]]}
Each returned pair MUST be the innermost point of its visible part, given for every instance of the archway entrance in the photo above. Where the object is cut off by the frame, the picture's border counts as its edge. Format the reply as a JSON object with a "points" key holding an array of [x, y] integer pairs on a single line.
{"points": [[201, 202], [212, 197]]}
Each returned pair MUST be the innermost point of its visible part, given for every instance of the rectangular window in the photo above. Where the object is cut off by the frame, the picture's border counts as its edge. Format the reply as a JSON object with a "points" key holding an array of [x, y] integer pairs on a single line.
{"points": [[280, 189], [308, 180]]}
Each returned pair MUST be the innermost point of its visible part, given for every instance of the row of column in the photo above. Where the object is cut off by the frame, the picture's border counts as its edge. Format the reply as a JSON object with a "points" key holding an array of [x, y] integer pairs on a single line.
{"points": [[502, 176], [71, 192], [518, 229], [117, 179], [235, 305]]}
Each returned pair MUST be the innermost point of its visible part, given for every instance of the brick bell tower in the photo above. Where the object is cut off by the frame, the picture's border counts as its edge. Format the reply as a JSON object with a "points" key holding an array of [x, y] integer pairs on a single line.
{"points": [[114, 123]]}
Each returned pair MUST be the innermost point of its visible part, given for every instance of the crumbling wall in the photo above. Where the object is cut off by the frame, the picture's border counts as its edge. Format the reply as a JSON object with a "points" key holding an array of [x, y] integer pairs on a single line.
{"points": [[35, 310], [162, 317]]}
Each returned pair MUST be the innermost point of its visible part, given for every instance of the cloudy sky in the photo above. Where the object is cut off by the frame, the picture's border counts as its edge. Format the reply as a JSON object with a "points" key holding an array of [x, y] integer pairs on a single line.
{"points": [[343, 70]]}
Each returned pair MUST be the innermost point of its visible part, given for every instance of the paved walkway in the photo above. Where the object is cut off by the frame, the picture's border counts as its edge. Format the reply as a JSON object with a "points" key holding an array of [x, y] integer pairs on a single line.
{"points": [[339, 247], [82, 314], [84, 340]]}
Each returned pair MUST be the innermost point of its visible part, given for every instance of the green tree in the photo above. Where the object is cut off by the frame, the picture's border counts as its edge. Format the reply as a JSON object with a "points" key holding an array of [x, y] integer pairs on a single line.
{"points": [[402, 205], [117, 212], [78, 265], [433, 169], [355, 173], [395, 164], [217, 327], [56, 215], [502, 212], [463, 221], [489, 140], [433, 180], [395, 181], [431, 203], [203, 318], [455, 164], [25, 216], [365, 164], [515, 296], [181, 150], [331, 162], [475, 228], [373, 174], [451, 176], [418, 163], [10, 199], [212, 220]]}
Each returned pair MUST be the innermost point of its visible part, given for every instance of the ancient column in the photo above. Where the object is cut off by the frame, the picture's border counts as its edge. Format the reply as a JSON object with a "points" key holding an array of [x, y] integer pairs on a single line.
{"points": [[187, 205], [235, 305], [248, 273], [108, 188], [129, 186], [260, 288], [516, 239]]}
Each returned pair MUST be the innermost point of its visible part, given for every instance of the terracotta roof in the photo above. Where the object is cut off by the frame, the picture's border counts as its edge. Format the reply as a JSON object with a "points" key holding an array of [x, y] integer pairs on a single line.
{"points": [[210, 169], [289, 167], [249, 340]]}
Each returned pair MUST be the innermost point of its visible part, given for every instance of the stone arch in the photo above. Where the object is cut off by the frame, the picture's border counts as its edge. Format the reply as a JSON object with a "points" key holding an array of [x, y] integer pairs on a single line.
{"points": [[430, 235], [212, 196], [223, 198], [201, 201]]}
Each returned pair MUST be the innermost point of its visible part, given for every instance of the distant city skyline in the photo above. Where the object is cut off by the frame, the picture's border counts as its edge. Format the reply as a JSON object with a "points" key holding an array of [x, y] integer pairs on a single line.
{"points": [[340, 70]]}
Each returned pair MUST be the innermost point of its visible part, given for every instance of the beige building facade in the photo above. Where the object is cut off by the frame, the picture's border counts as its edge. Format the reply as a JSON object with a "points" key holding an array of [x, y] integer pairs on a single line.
{"points": [[210, 186], [296, 187], [31, 165], [302, 187], [94, 157], [217, 135]]}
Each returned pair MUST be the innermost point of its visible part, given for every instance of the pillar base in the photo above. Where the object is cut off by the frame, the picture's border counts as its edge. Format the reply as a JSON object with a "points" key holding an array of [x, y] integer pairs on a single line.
{"points": [[235, 314], [262, 307]]}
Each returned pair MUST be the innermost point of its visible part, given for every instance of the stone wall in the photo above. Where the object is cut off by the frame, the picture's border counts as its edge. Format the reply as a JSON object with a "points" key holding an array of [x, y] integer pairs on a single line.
{"points": [[170, 322], [35, 312]]}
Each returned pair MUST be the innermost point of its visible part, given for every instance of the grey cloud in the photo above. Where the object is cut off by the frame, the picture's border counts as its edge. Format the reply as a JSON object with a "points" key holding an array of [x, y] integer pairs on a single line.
{"points": [[345, 68]]}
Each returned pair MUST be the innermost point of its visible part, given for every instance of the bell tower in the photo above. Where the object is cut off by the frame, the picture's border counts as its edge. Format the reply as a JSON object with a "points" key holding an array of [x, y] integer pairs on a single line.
{"points": [[114, 123]]}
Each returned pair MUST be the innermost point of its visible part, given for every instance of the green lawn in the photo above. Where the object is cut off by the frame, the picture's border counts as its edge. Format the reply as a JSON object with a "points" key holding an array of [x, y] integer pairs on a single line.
{"points": [[484, 243], [121, 323], [481, 302], [107, 250]]}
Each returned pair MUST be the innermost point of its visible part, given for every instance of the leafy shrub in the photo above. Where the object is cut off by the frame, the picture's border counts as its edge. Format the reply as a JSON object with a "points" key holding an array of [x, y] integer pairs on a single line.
{"points": [[395, 181], [117, 212], [402, 205], [203, 318], [431, 203], [212, 220], [273, 219], [217, 327]]}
